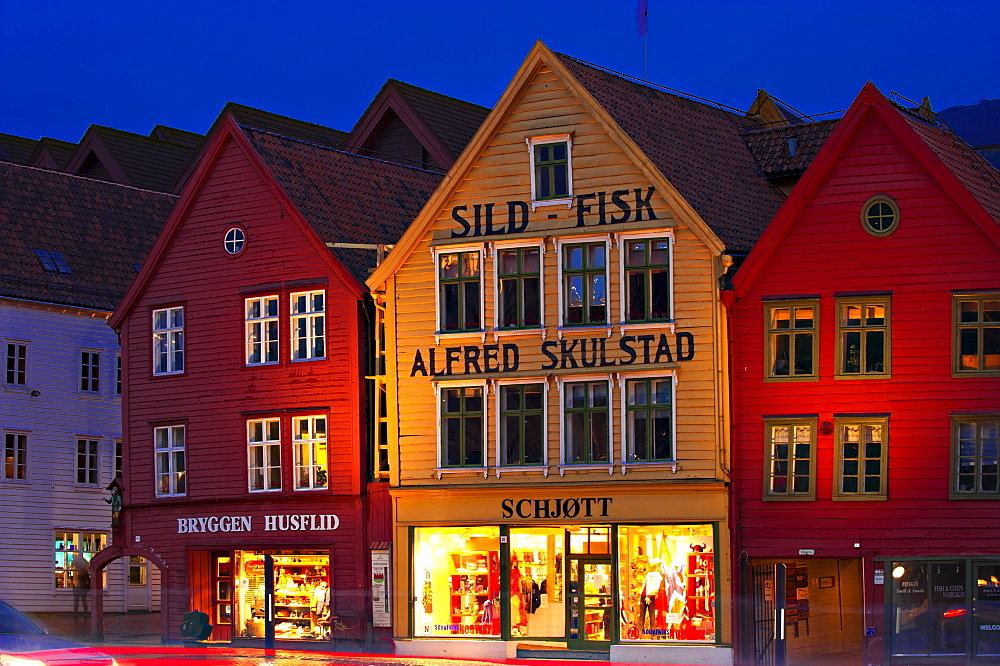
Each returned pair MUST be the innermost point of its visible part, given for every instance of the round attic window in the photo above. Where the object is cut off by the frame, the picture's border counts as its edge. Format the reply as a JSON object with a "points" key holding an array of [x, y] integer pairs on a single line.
{"points": [[880, 215], [235, 240]]}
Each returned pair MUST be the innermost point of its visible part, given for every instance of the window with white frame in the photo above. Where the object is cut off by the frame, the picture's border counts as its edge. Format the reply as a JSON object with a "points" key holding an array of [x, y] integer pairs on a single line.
{"points": [[551, 168], [90, 371], [15, 456], [16, 363], [73, 552], [647, 280], [649, 419], [119, 459], [168, 341], [584, 283], [87, 470], [261, 329], [170, 451], [308, 325], [586, 422], [519, 295], [522, 424], [459, 276], [309, 452], [462, 411], [118, 374], [264, 454]]}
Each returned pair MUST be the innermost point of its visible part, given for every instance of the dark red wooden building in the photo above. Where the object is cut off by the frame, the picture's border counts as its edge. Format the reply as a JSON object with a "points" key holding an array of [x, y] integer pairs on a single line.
{"points": [[866, 359]]}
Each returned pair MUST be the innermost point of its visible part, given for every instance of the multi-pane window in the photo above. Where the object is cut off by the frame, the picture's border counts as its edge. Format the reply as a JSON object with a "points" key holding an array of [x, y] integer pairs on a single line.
{"points": [[169, 444], [90, 371], [863, 334], [790, 459], [462, 421], [518, 278], [975, 457], [86, 462], [119, 459], [308, 325], [977, 334], [862, 447], [118, 374], [551, 170], [647, 280], [584, 275], [586, 418], [310, 453], [168, 341], [649, 419], [791, 340], [73, 552], [15, 456], [264, 454], [522, 424], [262, 330], [459, 279], [16, 364]]}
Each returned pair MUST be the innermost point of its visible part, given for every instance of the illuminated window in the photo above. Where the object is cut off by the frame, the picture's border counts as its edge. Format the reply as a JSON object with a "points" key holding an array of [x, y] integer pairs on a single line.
{"points": [[308, 326], [264, 454], [519, 287], [863, 334], [310, 453], [584, 284], [862, 453], [15, 456], [792, 340], [522, 424], [261, 330], [168, 341], [169, 448], [649, 419], [647, 280], [73, 552], [86, 462], [977, 334], [460, 284], [586, 419], [462, 423], [976, 457], [790, 457]]}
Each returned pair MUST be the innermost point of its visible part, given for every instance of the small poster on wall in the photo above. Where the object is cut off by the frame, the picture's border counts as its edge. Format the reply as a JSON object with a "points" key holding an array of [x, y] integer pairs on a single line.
{"points": [[381, 599]]}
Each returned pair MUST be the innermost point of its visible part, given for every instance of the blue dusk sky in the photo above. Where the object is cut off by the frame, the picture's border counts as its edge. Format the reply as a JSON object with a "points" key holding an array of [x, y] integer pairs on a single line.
{"points": [[66, 64]]}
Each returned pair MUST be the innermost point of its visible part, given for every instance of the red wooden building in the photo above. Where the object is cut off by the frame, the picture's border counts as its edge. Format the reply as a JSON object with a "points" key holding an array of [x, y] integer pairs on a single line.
{"points": [[866, 358], [250, 479]]}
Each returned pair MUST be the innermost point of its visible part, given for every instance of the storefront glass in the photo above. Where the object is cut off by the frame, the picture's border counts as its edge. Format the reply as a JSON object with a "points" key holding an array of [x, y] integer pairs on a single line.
{"points": [[536, 582], [986, 623], [929, 610], [302, 599], [456, 577], [667, 579]]}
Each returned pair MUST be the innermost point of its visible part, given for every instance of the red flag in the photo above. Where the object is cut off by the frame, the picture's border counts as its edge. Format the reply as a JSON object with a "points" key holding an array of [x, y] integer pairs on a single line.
{"points": [[642, 15]]}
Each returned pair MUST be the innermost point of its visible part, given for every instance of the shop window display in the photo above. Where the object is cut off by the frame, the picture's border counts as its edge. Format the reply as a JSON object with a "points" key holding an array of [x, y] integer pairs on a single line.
{"points": [[536, 583], [302, 609], [667, 578], [456, 578]]}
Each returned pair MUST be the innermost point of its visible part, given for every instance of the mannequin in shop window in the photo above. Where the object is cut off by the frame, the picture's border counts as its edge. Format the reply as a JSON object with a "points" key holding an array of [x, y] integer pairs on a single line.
{"points": [[651, 585], [518, 606], [320, 609]]}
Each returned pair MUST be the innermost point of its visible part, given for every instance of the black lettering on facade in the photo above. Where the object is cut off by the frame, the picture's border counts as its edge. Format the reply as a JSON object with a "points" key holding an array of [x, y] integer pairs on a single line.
{"points": [[418, 365], [641, 203], [553, 359], [512, 208], [566, 353], [685, 339], [618, 199], [451, 356], [624, 345], [581, 210], [663, 349], [511, 358], [471, 359], [645, 340], [490, 354], [461, 220]]}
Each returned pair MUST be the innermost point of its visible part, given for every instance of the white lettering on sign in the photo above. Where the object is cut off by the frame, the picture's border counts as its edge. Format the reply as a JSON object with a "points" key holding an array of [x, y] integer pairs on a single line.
{"points": [[287, 523], [880, 576]]}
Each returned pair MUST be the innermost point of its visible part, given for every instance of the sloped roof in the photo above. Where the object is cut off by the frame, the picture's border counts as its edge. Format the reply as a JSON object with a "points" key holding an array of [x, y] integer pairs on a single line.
{"points": [[771, 146], [284, 126], [101, 229], [178, 136], [16, 148], [697, 147], [61, 152], [346, 198], [453, 120], [149, 163]]}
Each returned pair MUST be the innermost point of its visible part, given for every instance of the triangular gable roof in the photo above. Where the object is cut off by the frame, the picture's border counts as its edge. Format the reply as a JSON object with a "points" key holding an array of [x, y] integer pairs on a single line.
{"points": [[178, 136], [443, 125], [102, 230], [15, 148], [965, 175], [53, 153], [769, 111], [332, 195], [133, 159]]}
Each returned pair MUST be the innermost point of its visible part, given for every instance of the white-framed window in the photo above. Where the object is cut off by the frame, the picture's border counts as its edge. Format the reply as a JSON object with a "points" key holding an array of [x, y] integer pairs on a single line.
{"points": [[462, 419], [551, 169], [647, 278], [15, 363], [168, 341], [521, 423], [119, 459], [583, 280], [118, 374], [264, 454], [15, 456], [170, 451], [90, 371], [519, 292], [73, 552], [649, 412], [310, 453], [459, 293], [308, 323], [87, 461], [261, 329], [586, 421]]}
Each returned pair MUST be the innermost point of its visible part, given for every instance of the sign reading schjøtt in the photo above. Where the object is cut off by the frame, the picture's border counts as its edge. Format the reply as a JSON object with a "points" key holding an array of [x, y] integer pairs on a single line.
{"points": [[296, 522]]}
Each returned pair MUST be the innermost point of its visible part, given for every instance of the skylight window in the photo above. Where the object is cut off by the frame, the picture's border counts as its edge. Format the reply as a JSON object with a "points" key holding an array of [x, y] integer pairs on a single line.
{"points": [[52, 262]]}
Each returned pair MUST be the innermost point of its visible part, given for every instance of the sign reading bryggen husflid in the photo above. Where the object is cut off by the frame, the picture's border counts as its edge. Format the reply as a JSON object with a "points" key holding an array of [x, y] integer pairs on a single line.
{"points": [[558, 369]]}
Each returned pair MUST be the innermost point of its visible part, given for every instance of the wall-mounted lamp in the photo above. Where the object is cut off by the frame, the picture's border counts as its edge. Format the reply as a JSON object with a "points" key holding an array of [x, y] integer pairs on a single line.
{"points": [[35, 393], [826, 428]]}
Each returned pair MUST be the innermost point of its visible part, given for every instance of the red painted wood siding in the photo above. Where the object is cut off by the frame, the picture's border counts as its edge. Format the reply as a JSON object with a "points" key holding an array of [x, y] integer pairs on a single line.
{"points": [[935, 250]]}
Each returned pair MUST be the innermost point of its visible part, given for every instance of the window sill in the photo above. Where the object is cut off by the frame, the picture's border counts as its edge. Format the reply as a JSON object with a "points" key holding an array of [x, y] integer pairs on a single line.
{"points": [[499, 333], [854, 377], [586, 467], [544, 469], [308, 360], [625, 326], [970, 374], [539, 203], [672, 465], [860, 498], [441, 471], [459, 335], [784, 498], [809, 378], [606, 328], [982, 497]]}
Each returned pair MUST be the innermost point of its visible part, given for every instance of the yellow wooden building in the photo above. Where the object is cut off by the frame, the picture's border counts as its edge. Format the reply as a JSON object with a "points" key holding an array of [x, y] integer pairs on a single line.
{"points": [[555, 388]]}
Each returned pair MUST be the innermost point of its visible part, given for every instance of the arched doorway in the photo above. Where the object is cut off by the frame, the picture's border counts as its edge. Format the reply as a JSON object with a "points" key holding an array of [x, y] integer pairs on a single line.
{"points": [[140, 569]]}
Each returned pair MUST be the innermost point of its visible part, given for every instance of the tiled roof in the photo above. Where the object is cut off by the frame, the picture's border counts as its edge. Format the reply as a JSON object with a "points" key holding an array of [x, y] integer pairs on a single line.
{"points": [[771, 147], [100, 228], [178, 136], [16, 148], [697, 147], [61, 151], [453, 120], [346, 198], [149, 163], [976, 174], [284, 126]]}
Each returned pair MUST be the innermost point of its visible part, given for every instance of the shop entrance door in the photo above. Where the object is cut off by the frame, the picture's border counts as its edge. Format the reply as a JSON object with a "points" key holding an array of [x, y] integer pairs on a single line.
{"points": [[138, 588], [589, 606], [769, 614]]}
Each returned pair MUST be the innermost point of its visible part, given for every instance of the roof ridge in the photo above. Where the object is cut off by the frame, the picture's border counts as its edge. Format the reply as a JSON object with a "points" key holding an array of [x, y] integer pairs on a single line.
{"points": [[145, 137], [73, 174], [438, 94], [787, 128], [279, 115], [338, 150]]}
